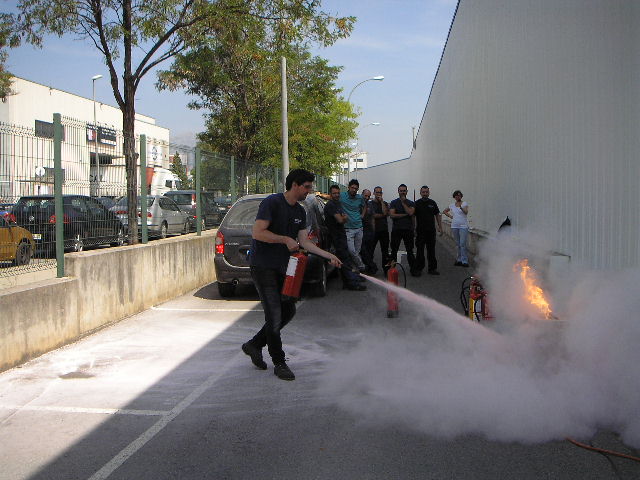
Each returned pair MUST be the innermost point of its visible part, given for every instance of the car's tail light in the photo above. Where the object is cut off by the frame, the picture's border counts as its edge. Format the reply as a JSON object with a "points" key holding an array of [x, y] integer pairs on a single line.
{"points": [[65, 219], [121, 212], [220, 242], [193, 199], [313, 236], [148, 214]]}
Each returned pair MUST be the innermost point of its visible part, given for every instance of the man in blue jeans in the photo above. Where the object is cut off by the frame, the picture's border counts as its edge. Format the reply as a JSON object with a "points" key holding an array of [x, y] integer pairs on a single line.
{"points": [[353, 205], [280, 229]]}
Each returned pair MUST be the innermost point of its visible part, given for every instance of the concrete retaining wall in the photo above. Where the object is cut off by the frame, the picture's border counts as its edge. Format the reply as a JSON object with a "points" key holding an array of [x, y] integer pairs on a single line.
{"points": [[101, 287]]}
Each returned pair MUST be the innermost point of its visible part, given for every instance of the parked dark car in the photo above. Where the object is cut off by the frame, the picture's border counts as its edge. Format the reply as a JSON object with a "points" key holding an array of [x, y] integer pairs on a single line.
{"points": [[86, 222], [233, 243], [212, 213], [108, 202]]}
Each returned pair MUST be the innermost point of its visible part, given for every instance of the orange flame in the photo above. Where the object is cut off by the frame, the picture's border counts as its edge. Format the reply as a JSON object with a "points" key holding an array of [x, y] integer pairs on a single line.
{"points": [[534, 294]]}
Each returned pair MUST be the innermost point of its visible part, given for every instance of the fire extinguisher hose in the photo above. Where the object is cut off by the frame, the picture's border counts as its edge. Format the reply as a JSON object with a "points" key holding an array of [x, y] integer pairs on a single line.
{"points": [[602, 450]]}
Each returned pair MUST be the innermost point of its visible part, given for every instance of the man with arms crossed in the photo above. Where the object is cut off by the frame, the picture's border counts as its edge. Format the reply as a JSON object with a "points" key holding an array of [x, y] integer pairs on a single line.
{"points": [[280, 229], [401, 211], [427, 216]]}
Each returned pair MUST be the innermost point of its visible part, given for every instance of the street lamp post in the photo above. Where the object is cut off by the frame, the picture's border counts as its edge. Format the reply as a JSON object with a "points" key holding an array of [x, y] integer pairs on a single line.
{"points": [[95, 137], [379, 78]]}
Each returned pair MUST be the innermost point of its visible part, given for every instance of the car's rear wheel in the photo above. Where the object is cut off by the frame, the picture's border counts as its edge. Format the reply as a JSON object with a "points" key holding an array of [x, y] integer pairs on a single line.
{"points": [[226, 289], [120, 238], [319, 289], [185, 230], [163, 230], [23, 254], [78, 242]]}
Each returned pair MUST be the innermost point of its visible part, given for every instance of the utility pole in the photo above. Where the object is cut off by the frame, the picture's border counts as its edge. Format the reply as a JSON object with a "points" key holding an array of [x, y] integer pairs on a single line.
{"points": [[285, 124]]}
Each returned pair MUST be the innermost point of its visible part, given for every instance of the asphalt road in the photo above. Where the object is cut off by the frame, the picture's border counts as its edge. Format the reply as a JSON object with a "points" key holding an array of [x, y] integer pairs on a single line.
{"points": [[167, 394]]}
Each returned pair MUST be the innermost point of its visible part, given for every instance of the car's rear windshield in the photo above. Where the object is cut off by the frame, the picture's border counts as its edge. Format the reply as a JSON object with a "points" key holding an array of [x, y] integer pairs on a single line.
{"points": [[180, 198], [35, 204], [123, 201], [243, 214]]}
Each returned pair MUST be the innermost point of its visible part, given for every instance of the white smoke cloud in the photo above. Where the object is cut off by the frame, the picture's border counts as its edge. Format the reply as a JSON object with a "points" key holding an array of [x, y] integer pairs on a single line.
{"points": [[523, 378]]}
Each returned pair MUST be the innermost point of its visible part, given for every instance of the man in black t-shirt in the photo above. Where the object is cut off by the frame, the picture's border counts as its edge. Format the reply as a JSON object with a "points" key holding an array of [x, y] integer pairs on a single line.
{"points": [[335, 218], [380, 226], [401, 211], [427, 215], [280, 229]]}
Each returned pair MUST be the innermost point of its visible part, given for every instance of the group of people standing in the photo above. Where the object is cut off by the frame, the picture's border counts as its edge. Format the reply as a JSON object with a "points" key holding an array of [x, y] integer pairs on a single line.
{"points": [[358, 223]]}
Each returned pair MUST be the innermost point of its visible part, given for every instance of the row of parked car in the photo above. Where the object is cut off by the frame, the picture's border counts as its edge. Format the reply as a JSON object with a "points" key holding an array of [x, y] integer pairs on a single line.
{"points": [[28, 226]]}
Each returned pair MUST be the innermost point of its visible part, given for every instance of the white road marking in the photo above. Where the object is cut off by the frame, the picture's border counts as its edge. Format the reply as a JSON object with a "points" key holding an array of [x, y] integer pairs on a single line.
{"points": [[166, 309], [105, 411], [139, 442]]}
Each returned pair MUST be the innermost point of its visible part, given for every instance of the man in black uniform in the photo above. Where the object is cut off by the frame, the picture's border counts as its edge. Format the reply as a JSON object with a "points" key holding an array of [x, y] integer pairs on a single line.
{"points": [[401, 211], [335, 218], [427, 214], [381, 226], [280, 229]]}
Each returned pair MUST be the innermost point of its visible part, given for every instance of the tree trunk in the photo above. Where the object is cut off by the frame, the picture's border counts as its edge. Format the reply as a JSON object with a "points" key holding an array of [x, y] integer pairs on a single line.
{"points": [[131, 162]]}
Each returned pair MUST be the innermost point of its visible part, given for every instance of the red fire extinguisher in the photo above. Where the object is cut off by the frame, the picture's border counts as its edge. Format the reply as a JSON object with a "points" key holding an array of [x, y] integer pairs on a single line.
{"points": [[295, 274], [392, 298]]}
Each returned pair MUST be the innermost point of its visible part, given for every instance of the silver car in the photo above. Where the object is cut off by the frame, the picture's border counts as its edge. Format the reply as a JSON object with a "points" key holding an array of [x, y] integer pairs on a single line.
{"points": [[164, 217]]}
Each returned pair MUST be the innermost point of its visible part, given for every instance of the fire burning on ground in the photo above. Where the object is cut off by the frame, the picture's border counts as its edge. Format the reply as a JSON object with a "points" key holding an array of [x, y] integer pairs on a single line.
{"points": [[533, 293]]}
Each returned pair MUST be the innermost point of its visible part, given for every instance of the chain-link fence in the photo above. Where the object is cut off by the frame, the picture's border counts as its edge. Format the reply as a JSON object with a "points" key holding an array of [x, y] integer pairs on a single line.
{"points": [[63, 187]]}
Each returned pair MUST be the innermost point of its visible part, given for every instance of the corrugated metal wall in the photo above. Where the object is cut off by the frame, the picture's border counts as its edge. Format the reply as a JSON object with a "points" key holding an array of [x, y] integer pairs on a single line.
{"points": [[534, 114]]}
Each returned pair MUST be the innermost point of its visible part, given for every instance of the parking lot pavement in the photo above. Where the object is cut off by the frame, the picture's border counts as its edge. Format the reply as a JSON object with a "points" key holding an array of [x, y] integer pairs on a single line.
{"points": [[167, 394]]}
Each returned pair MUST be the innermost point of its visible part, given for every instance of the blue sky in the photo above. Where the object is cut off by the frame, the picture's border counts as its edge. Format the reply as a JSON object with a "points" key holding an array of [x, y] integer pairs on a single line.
{"points": [[400, 39]]}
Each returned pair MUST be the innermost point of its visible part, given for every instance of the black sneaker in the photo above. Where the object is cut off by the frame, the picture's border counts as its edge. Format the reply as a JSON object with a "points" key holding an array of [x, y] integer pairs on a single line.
{"points": [[458, 264], [415, 273], [283, 372], [433, 272], [464, 264], [255, 354]]}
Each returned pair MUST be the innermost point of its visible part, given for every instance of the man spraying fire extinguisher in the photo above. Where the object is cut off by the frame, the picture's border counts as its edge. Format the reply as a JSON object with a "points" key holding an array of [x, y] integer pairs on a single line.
{"points": [[279, 230]]}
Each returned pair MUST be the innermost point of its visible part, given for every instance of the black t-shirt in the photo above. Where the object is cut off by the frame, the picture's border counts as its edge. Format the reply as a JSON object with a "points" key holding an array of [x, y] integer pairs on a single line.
{"points": [[426, 211], [381, 224], [402, 223], [284, 219], [330, 209]]}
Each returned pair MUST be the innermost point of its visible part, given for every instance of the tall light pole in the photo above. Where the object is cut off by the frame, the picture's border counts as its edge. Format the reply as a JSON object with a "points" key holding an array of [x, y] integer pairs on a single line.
{"points": [[375, 124], [379, 78], [95, 137]]}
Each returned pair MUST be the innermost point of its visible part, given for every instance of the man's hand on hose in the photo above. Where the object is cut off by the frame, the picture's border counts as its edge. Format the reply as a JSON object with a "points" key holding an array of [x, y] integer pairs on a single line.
{"points": [[335, 261]]}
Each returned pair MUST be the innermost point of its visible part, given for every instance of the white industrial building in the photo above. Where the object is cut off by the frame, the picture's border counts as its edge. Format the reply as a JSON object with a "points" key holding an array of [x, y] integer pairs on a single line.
{"points": [[534, 115], [26, 142]]}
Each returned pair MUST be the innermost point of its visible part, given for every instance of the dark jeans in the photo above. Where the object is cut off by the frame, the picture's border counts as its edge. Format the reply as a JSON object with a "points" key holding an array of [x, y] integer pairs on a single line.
{"points": [[277, 313], [383, 238], [349, 277], [366, 252], [405, 236], [428, 240]]}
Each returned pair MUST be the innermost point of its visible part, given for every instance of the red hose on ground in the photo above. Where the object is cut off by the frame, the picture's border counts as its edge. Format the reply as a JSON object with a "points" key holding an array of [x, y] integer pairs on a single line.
{"points": [[602, 450]]}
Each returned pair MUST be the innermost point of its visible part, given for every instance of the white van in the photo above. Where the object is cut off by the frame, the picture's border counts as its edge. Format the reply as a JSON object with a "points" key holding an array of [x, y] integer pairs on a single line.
{"points": [[164, 181]]}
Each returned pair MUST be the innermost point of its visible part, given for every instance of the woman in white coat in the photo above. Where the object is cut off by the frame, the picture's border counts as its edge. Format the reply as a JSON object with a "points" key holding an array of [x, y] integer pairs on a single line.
{"points": [[458, 212]]}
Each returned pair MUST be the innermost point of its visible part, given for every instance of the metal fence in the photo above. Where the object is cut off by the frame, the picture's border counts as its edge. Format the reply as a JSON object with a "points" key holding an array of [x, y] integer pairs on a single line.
{"points": [[63, 187]]}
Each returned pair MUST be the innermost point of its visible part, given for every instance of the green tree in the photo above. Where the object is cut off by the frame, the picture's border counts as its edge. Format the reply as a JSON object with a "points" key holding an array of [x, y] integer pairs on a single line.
{"points": [[178, 168], [153, 31], [6, 39], [236, 79]]}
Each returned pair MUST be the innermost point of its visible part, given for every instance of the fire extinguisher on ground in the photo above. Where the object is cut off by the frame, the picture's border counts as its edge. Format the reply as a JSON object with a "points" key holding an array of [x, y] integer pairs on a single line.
{"points": [[392, 297], [294, 276]]}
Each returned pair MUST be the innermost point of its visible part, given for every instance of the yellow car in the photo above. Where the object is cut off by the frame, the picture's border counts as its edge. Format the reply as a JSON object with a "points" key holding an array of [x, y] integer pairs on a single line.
{"points": [[16, 243]]}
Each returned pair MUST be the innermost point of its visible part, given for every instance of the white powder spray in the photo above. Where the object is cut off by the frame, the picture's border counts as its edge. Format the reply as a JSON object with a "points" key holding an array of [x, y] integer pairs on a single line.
{"points": [[523, 378]]}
